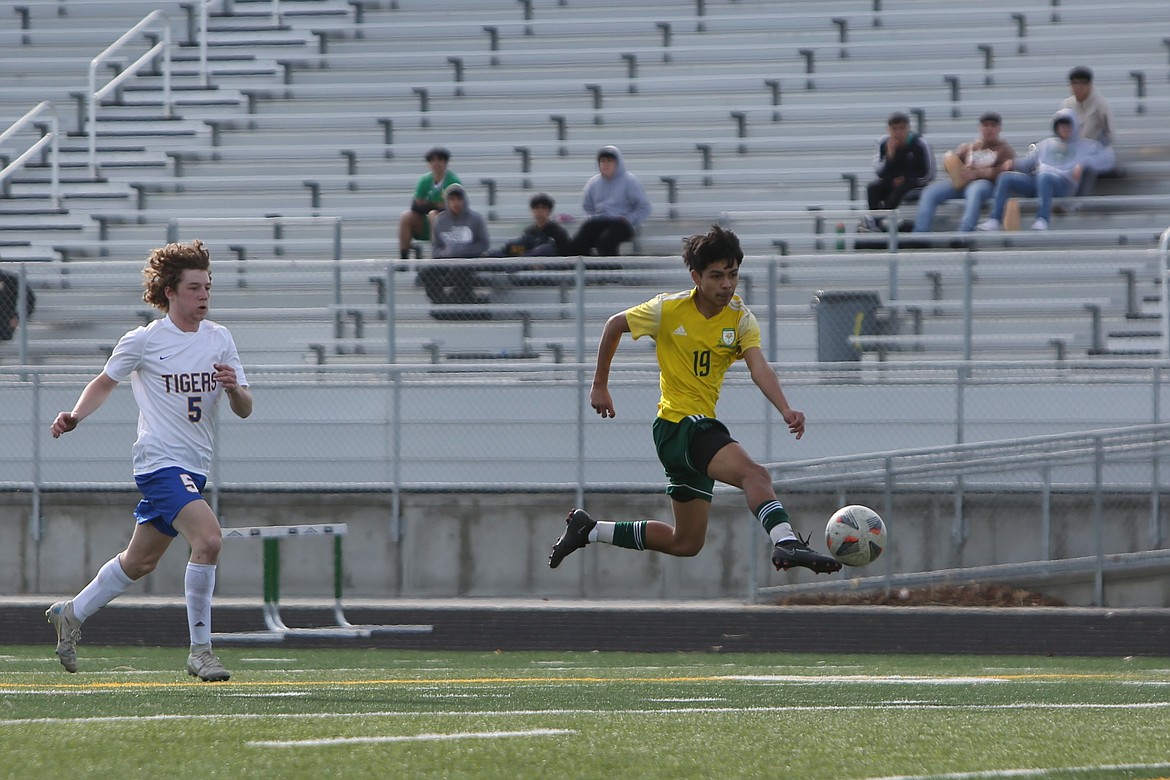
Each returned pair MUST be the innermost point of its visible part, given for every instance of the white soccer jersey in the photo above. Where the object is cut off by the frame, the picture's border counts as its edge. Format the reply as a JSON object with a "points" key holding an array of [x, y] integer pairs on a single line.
{"points": [[172, 373]]}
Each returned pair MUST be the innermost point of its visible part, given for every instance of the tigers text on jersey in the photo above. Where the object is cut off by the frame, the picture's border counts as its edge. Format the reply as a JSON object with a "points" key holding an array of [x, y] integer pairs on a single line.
{"points": [[173, 376], [693, 352]]}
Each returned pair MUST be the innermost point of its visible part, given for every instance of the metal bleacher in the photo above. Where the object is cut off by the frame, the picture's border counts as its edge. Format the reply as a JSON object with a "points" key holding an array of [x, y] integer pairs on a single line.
{"points": [[762, 114]]}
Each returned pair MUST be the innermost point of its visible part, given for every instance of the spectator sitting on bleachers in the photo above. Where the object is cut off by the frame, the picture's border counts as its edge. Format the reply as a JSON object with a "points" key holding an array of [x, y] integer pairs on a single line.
{"points": [[10, 304], [1093, 111], [1050, 170], [972, 169], [1094, 115], [427, 201], [458, 231], [903, 163], [615, 204], [544, 237]]}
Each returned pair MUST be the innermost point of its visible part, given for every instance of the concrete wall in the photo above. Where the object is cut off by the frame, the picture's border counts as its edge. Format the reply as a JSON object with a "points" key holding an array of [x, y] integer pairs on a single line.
{"points": [[477, 545]]}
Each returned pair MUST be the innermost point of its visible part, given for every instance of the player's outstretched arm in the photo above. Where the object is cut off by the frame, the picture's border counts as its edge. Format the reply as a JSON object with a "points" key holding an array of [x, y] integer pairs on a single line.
{"points": [[611, 336], [92, 397], [765, 379]]}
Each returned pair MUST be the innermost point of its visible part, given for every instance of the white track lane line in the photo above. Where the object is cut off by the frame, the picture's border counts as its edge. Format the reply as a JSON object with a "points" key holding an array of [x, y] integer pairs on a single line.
{"points": [[584, 712], [993, 774], [410, 738]]}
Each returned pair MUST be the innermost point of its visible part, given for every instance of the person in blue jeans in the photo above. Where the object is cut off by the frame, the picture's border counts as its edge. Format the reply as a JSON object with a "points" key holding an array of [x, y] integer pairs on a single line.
{"points": [[1051, 170], [972, 169]]}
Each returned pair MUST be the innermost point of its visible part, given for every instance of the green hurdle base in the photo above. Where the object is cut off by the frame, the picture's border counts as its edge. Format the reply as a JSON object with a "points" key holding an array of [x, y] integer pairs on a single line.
{"points": [[276, 629]]}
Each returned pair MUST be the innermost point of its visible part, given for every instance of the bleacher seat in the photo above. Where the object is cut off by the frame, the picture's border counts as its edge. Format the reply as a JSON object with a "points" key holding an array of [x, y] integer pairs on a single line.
{"points": [[719, 107]]}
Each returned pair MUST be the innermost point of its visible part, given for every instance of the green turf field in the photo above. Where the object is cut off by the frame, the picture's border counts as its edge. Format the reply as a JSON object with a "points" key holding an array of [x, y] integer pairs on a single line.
{"points": [[132, 712]]}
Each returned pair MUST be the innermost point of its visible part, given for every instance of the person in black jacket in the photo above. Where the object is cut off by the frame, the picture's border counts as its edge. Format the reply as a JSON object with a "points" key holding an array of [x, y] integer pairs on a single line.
{"points": [[903, 163], [10, 304], [544, 237]]}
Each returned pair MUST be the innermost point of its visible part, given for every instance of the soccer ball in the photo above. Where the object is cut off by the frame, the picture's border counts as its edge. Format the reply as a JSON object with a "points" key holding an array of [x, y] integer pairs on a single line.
{"points": [[855, 535]]}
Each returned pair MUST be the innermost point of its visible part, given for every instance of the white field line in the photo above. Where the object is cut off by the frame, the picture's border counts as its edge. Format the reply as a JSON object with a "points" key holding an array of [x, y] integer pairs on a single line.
{"points": [[996, 773], [690, 700], [411, 738], [562, 711]]}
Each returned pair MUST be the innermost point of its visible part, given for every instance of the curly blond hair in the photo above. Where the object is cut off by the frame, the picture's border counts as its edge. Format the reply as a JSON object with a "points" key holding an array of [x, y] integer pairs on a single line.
{"points": [[165, 266]]}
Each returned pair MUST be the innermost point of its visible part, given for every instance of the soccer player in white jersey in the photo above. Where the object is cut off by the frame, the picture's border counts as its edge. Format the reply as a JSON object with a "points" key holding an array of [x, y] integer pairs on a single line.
{"points": [[698, 334], [178, 367]]}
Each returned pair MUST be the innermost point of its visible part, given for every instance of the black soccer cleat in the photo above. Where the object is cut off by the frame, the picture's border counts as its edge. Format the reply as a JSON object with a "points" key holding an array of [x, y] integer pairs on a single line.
{"points": [[577, 527], [796, 552]]}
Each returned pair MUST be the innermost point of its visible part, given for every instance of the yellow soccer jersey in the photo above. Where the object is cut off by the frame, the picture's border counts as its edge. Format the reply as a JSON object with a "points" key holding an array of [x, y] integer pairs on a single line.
{"points": [[693, 352]]}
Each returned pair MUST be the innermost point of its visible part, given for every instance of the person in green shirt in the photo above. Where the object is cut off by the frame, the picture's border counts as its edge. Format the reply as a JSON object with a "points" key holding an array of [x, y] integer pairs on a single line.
{"points": [[415, 223]]}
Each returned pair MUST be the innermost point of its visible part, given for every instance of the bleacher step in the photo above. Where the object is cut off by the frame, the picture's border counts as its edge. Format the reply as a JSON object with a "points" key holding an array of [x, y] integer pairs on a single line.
{"points": [[1133, 343], [139, 127], [38, 223], [31, 253]]}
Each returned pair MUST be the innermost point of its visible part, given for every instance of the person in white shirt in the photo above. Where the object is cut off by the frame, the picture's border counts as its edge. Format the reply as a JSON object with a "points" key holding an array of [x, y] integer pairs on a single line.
{"points": [[178, 367]]}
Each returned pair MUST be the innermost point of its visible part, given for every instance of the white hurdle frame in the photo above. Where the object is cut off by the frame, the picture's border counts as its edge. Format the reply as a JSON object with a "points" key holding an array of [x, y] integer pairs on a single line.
{"points": [[276, 629]]}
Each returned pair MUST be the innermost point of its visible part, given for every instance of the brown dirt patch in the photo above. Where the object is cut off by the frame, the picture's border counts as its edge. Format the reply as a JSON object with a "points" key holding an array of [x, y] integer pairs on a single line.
{"points": [[977, 595]]}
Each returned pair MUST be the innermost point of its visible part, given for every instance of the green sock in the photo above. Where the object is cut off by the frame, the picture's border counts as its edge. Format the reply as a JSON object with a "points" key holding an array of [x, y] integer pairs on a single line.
{"points": [[774, 517], [632, 536]]}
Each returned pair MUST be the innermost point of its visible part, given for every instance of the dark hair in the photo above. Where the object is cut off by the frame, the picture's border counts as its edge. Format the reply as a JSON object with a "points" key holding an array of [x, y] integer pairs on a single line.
{"points": [[990, 116], [716, 245], [898, 118], [606, 153], [1080, 73], [165, 266], [541, 199], [439, 152]]}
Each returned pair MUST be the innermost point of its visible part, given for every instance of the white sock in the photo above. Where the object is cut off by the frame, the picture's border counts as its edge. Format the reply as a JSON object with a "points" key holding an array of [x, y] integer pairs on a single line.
{"points": [[781, 533], [602, 532], [198, 584], [111, 581]]}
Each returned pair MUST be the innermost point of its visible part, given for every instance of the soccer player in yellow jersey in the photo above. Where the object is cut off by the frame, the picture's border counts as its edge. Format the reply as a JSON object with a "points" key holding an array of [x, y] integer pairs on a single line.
{"points": [[698, 333]]}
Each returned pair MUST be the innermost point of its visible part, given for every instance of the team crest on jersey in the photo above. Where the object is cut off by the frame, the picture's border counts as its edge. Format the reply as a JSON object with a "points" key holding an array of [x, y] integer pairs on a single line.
{"points": [[728, 339]]}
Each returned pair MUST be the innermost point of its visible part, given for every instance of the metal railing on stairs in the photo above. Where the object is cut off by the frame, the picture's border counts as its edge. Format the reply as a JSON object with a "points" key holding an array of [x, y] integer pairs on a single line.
{"points": [[959, 468], [155, 20], [48, 139]]}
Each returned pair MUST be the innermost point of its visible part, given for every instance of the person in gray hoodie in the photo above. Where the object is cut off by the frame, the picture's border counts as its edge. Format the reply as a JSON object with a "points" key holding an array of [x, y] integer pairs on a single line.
{"points": [[1051, 169], [615, 205], [459, 231]]}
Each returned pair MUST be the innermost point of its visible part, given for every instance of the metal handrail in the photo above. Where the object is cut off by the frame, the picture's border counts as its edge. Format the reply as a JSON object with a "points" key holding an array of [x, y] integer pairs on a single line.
{"points": [[95, 95], [967, 458], [50, 138]]}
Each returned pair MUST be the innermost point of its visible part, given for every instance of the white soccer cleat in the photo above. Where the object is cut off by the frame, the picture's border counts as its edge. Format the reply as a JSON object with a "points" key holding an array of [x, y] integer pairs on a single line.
{"points": [[205, 665], [68, 628]]}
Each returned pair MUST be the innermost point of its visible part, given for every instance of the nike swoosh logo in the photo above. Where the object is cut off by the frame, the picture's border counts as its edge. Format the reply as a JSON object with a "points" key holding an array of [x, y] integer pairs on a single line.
{"points": [[163, 357]]}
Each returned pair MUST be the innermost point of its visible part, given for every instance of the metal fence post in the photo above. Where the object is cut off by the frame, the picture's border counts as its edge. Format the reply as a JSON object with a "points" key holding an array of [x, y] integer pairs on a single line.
{"points": [[1046, 514], [1154, 528], [582, 392], [1098, 520], [968, 303], [35, 520], [887, 507]]}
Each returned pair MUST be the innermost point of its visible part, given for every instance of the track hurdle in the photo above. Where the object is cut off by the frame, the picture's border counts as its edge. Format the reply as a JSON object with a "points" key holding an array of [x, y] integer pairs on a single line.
{"points": [[271, 536]]}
